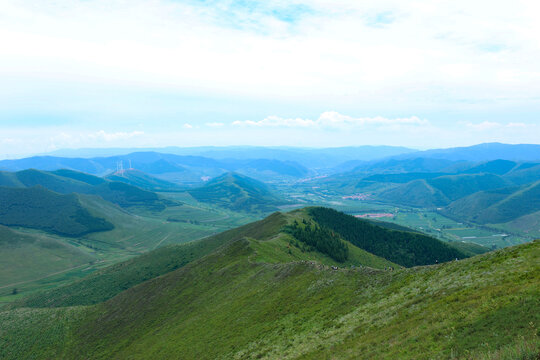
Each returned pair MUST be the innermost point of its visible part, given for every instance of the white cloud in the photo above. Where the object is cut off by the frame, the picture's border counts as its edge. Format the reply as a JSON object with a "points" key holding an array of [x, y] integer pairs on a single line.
{"points": [[106, 136], [491, 125], [188, 126], [518, 125], [334, 120], [485, 125], [215, 124]]}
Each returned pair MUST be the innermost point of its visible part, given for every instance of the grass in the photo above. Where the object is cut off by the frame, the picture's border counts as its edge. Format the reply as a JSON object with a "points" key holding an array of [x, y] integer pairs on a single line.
{"points": [[38, 265], [28, 256], [297, 310], [108, 282], [249, 297]]}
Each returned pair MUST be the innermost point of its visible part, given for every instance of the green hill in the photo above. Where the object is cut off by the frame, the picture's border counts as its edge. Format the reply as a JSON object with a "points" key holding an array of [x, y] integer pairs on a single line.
{"points": [[442, 190], [415, 193], [142, 180], [246, 300], [271, 236], [238, 192], [39, 208], [524, 174], [498, 206]]}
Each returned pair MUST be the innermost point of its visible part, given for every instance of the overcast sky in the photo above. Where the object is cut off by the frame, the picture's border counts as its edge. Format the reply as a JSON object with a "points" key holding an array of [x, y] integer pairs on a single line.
{"points": [[130, 73]]}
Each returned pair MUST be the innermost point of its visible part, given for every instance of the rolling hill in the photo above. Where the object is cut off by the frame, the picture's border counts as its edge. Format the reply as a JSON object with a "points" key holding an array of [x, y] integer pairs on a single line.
{"points": [[39, 208], [440, 191], [238, 192], [498, 206], [65, 181], [257, 295]]}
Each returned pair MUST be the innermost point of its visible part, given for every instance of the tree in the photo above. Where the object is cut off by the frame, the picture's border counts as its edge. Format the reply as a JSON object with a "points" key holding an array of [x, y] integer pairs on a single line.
{"points": [[15, 291]]}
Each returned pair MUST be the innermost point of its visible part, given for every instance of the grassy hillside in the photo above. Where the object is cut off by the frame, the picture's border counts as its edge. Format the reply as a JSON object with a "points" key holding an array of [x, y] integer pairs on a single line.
{"points": [[28, 256], [524, 174], [39, 208], [104, 284], [415, 193], [268, 237], [457, 186], [247, 308], [498, 206], [442, 190], [238, 192]]}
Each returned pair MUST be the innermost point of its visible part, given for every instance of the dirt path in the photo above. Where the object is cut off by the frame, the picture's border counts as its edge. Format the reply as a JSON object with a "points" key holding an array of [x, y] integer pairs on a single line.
{"points": [[162, 240]]}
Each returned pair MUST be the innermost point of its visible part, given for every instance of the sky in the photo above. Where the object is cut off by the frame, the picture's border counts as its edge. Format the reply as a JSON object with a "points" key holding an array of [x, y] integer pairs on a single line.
{"points": [[132, 73]]}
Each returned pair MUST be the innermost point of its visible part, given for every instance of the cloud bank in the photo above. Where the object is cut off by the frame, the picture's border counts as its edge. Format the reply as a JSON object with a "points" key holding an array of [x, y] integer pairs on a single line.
{"points": [[333, 120]]}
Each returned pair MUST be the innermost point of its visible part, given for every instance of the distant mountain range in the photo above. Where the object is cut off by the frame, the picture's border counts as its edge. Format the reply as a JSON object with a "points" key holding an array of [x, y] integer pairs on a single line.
{"points": [[169, 167]]}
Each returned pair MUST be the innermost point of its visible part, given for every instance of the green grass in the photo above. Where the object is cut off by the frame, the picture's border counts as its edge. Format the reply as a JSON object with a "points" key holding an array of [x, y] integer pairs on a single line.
{"points": [[250, 294], [248, 309], [34, 267], [108, 282], [28, 256]]}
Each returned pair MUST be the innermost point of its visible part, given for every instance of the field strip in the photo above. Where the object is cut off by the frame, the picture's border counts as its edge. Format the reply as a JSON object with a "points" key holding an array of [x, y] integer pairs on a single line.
{"points": [[216, 219]]}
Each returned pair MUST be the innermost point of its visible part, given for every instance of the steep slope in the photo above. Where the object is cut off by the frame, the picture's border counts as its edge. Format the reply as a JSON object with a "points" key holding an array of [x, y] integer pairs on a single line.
{"points": [[39, 208], [238, 192], [498, 206], [244, 308]]}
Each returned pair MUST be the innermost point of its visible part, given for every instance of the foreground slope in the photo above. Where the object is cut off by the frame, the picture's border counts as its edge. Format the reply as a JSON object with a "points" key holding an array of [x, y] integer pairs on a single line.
{"points": [[269, 235], [247, 308]]}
